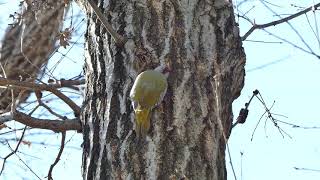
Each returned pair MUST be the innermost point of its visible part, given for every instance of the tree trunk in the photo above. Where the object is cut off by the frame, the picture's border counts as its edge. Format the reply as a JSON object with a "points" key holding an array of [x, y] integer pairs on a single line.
{"points": [[36, 28], [200, 42]]}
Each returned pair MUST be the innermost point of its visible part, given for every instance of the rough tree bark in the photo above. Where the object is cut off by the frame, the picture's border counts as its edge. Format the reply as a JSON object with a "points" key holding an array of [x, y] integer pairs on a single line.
{"points": [[36, 28], [200, 40]]}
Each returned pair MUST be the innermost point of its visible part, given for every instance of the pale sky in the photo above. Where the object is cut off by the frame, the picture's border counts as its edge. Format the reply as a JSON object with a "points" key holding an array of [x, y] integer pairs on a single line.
{"points": [[293, 83]]}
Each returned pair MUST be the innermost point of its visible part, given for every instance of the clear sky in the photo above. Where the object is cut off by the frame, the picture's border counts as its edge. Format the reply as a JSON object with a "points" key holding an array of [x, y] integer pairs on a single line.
{"points": [[281, 72], [292, 81]]}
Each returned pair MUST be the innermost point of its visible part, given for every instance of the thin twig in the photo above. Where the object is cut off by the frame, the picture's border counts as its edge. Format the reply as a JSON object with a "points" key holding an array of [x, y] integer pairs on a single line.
{"points": [[57, 50], [230, 161], [306, 169], [274, 23], [52, 112], [24, 163], [292, 44], [268, 64], [266, 42], [14, 130], [63, 138], [313, 31], [271, 3], [291, 26], [14, 151], [241, 153], [267, 117], [244, 113], [316, 25], [41, 103], [282, 39], [270, 116], [255, 128]]}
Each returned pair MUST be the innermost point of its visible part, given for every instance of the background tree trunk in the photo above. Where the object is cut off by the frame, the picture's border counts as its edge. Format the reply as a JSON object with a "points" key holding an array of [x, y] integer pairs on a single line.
{"points": [[36, 28], [200, 41]]}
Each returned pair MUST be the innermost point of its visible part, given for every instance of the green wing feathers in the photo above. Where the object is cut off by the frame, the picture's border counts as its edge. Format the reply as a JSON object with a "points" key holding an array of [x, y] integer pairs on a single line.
{"points": [[142, 121], [146, 93]]}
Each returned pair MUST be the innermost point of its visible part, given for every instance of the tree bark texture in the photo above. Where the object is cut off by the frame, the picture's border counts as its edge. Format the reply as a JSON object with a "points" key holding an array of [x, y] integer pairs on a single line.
{"points": [[200, 41], [28, 44]]}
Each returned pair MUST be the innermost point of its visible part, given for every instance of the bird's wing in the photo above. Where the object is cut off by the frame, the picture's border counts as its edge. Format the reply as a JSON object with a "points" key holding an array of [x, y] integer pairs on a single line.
{"points": [[162, 96]]}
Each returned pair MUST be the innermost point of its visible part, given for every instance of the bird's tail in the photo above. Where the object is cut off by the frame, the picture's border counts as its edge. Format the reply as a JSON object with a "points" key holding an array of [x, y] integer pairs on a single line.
{"points": [[142, 121]]}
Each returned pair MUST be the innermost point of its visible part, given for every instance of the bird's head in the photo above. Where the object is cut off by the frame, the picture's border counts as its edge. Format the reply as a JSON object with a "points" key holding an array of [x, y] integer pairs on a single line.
{"points": [[164, 69]]}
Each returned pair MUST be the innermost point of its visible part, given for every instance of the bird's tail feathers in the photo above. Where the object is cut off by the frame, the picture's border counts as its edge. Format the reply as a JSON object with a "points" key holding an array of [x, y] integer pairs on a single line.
{"points": [[142, 122]]}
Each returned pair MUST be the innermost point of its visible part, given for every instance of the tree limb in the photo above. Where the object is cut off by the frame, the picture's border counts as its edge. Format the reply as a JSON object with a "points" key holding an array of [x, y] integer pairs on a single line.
{"points": [[40, 87], [274, 23], [54, 125], [67, 83]]}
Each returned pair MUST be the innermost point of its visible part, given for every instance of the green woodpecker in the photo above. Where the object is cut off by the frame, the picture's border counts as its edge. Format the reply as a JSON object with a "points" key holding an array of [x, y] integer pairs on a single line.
{"points": [[147, 92]]}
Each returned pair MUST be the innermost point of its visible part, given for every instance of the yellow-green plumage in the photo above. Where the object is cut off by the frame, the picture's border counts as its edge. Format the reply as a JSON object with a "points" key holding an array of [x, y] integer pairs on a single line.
{"points": [[142, 121], [147, 91]]}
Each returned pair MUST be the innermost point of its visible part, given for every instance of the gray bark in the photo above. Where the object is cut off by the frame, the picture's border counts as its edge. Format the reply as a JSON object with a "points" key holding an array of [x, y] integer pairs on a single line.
{"points": [[200, 41]]}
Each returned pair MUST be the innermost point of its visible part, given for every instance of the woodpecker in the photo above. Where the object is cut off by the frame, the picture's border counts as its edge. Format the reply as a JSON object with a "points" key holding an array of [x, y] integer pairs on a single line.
{"points": [[147, 92]]}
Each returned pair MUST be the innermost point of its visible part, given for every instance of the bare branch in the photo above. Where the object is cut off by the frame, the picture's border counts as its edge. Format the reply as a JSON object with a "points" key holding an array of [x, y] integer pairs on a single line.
{"points": [[271, 117], [306, 169], [41, 103], [230, 161], [13, 131], [243, 114], [291, 26], [14, 151], [24, 163], [63, 138], [41, 87], [274, 23], [54, 125], [5, 117], [67, 83], [51, 111], [292, 44]]}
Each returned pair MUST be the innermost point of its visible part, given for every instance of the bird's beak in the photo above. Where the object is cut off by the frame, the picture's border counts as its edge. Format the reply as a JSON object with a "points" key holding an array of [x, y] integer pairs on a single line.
{"points": [[166, 70]]}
